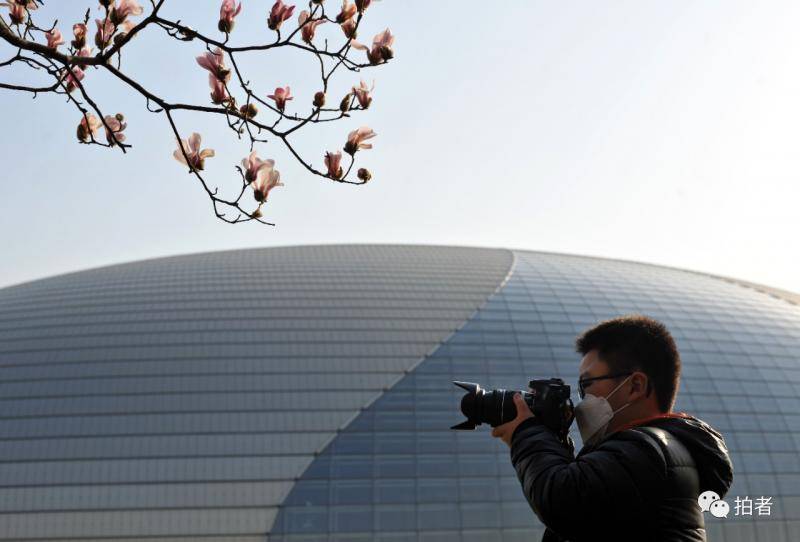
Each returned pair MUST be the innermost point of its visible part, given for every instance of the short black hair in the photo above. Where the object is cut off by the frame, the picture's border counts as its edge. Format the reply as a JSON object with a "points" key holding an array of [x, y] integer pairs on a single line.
{"points": [[637, 342]]}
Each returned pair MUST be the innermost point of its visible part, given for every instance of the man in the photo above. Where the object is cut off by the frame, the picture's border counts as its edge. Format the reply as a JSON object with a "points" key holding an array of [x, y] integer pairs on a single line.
{"points": [[642, 466]]}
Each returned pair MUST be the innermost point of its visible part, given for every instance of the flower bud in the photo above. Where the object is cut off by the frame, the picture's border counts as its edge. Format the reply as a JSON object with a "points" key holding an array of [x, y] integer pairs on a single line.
{"points": [[225, 26], [319, 99], [257, 212], [120, 117], [188, 33], [344, 105], [249, 110], [364, 174]]}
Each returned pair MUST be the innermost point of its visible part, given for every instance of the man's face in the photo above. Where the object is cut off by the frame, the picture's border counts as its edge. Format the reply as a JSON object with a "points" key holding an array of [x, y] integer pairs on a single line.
{"points": [[592, 366]]}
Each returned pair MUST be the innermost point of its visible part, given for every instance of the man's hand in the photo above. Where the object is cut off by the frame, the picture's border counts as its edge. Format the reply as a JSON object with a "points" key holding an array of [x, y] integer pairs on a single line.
{"points": [[505, 431]]}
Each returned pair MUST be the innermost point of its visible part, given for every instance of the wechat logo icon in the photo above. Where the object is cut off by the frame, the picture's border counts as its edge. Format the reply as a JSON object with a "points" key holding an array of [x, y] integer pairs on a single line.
{"points": [[709, 501]]}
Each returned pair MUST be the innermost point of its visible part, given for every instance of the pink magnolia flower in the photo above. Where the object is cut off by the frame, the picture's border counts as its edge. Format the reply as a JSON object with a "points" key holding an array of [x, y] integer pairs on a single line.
{"points": [[333, 162], [348, 10], [255, 167], [215, 64], [267, 179], [79, 31], [105, 31], [219, 94], [16, 12], [88, 129], [85, 51], [192, 149], [356, 138], [72, 77], [381, 47], [54, 38], [116, 125], [125, 9], [279, 13], [227, 13], [281, 96], [308, 29], [362, 94], [349, 28]]}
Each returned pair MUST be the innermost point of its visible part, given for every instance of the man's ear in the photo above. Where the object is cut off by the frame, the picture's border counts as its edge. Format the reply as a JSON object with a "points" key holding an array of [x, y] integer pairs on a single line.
{"points": [[640, 384]]}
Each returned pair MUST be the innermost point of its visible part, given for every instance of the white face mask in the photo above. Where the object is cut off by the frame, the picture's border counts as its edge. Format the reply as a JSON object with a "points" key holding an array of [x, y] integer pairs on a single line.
{"points": [[593, 414]]}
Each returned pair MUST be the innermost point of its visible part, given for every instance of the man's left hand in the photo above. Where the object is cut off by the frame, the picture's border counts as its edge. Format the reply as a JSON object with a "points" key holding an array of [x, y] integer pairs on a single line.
{"points": [[504, 432]]}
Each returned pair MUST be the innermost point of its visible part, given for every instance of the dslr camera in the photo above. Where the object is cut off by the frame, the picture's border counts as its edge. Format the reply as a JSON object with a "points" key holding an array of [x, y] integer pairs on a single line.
{"points": [[548, 400]]}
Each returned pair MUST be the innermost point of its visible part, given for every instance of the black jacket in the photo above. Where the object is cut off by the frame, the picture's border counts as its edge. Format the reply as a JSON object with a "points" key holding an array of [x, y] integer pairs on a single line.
{"points": [[637, 484]]}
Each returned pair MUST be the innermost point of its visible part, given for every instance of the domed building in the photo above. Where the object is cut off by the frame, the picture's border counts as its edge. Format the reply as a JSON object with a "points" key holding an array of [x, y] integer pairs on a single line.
{"points": [[305, 393]]}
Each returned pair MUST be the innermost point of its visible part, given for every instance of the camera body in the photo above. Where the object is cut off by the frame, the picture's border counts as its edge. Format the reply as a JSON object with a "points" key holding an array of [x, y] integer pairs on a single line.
{"points": [[548, 399]]}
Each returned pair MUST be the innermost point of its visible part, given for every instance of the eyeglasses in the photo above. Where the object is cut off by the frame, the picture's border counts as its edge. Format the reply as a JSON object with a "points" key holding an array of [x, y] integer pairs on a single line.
{"points": [[583, 381]]}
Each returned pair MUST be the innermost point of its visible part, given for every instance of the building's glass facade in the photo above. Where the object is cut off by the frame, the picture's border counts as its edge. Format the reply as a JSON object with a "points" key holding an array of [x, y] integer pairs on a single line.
{"points": [[304, 394]]}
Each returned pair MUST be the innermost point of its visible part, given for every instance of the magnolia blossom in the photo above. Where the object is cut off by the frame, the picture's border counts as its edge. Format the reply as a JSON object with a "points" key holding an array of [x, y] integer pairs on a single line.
{"points": [[281, 96], [88, 129], [192, 149], [85, 51], [254, 167], [349, 28], [79, 31], [308, 29], [355, 140], [16, 12], [227, 13], [215, 63], [219, 94], [17, 9], [333, 162], [54, 38], [381, 47], [348, 10], [279, 13], [105, 30], [267, 179], [125, 9], [115, 125], [362, 94], [72, 77]]}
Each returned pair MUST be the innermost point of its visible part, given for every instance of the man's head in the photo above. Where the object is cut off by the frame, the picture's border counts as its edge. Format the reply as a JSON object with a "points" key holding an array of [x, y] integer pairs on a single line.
{"points": [[636, 348]]}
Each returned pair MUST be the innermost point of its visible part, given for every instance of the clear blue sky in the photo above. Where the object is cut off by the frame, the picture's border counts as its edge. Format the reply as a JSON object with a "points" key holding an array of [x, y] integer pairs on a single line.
{"points": [[664, 132]]}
